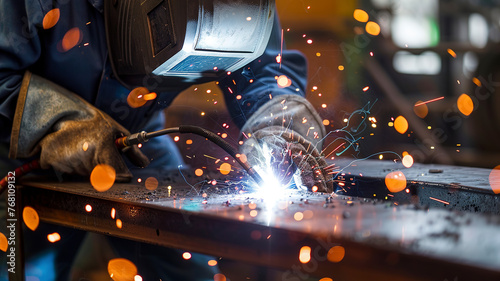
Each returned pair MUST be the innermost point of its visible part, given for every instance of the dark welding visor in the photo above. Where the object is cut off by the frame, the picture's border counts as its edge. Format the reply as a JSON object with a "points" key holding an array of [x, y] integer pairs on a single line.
{"points": [[164, 44]]}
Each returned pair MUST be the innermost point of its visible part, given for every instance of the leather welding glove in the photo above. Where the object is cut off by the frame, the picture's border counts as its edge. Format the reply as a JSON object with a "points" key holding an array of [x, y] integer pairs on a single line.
{"points": [[286, 135], [71, 135]]}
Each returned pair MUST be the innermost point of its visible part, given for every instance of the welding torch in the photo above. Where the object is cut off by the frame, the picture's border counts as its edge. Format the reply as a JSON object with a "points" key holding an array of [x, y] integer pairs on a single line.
{"points": [[143, 137]]}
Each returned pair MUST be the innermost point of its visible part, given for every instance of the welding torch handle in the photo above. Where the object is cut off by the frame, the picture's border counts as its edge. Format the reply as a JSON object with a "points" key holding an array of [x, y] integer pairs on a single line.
{"points": [[141, 137]]}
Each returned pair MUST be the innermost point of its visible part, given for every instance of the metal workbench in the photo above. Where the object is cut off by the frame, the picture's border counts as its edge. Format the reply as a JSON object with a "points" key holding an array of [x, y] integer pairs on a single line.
{"points": [[404, 236]]}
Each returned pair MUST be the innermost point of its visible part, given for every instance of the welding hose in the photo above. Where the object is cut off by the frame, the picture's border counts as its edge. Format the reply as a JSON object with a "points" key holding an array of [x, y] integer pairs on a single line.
{"points": [[142, 137], [18, 172]]}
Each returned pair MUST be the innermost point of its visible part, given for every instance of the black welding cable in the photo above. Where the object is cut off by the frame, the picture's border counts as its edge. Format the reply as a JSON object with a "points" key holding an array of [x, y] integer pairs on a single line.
{"points": [[188, 129]]}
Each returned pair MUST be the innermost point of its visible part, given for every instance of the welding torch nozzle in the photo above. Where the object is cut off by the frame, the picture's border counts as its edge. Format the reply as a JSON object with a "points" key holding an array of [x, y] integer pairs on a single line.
{"points": [[132, 139]]}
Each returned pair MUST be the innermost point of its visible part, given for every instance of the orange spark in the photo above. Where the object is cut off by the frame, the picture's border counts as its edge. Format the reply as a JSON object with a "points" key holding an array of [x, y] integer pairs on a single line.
{"points": [[31, 218], [395, 181], [372, 28], [452, 53], [51, 18], [54, 237], [305, 254], [439, 200], [102, 177], [360, 15], [336, 254], [425, 102]]}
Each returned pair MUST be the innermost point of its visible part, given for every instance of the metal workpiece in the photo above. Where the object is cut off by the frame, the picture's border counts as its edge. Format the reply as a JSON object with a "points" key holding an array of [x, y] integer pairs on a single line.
{"points": [[442, 186], [300, 232]]}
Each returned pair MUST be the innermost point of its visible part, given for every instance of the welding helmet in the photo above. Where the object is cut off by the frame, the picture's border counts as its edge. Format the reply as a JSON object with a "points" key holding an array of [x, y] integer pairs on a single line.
{"points": [[164, 44]]}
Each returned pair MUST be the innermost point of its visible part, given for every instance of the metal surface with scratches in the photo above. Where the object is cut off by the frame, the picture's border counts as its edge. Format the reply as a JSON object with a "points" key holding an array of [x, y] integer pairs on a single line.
{"points": [[401, 237]]}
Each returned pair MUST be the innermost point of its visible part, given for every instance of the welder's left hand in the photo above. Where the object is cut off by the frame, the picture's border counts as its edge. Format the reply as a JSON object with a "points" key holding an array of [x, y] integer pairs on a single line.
{"points": [[288, 154], [286, 133]]}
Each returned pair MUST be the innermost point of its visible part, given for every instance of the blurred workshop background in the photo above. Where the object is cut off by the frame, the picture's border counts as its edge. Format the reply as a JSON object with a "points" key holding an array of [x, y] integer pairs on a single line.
{"points": [[388, 77]]}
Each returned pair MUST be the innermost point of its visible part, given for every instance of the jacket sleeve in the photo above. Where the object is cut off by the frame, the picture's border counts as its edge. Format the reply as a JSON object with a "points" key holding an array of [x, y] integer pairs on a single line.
{"points": [[19, 49], [246, 90]]}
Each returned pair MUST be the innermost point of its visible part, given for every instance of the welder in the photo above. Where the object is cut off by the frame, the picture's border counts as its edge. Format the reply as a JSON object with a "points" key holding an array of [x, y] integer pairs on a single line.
{"points": [[67, 68]]}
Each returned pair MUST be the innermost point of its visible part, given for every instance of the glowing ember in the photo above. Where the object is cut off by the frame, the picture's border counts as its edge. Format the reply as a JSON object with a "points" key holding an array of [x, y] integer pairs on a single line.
{"points": [[400, 124], [298, 216], [305, 254], [136, 97], [283, 81], [336, 254], [219, 277], [465, 104], [421, 109], [119, 223], [407, 161], [476, 81], [224, 135], [452, 53], [102, 177], [186, 255], [326, 122], [212, 262], [176, 138], [494, 179], [225, 168], [150, 96], [72, 38], [405, 153], [395, 181], [51, 18], [360, 15], [318, 54], [278, 58], [31, 218], [54, 237], [309, 41], [120, 269], [314, 188], [151, 183], [198, 172], [372, 28], [425, 102], [113, 213], [439, 200], [85, 146], [4, 244], [341, 67], [366, 89], [326, 279], [137, 278], [88, 208]]}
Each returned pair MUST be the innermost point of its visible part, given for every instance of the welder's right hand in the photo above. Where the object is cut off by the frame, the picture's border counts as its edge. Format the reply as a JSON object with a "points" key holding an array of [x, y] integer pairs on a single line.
{"points": [[71, 135], [285, 134]]}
